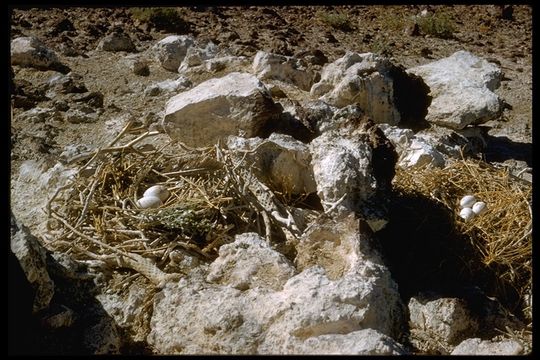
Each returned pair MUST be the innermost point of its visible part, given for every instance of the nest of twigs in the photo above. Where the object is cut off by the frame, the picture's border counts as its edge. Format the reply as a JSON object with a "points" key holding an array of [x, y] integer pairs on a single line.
{"points": [[96, 215], [502, 235]]}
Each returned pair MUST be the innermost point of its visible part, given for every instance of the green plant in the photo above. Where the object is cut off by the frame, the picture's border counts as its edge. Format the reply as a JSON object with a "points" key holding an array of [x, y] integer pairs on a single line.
{"points": [[338, 20], [161, 18], [439, 25]]}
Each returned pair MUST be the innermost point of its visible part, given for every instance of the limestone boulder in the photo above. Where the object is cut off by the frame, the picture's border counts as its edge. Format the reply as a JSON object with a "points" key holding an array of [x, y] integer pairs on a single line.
{"points": [[250, 263], [29, 51], [438, 323], [269, 66], [170, 51], [383, 90], [462, 88], [477, 346], [236, 104], [280, 161], [275, 310], [116, 42]]}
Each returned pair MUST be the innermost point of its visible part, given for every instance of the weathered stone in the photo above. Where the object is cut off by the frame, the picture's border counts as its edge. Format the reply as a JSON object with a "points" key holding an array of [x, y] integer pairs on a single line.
{"points": [[65, 84], [445, 319], [195, 56], [225, 62], [77, 116], [169, 85], [342, 168], [236, 104], [32, 258], [362, 78], [128, 308], [116, 42], [279, 161], [361, 342], [31, 52], [268, 66], [103, 338], [310, 313], [476, 346], [137, 65], [250, 263], [36, 183], [39, 115], [171, 50], [421, 154], [462, 89]]}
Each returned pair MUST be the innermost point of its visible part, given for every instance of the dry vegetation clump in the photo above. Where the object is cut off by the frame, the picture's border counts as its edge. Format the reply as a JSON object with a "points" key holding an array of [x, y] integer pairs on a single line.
{"points": [[502, 235]]}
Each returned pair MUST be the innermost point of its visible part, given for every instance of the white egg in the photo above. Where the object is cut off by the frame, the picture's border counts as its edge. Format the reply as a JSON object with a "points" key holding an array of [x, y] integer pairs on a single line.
{"points": [[479, 207], [147, 202], [158, 191], [467, 201], [466, 214]]}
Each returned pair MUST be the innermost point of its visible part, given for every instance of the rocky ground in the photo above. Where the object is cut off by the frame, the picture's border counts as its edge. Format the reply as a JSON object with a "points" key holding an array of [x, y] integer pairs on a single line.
{"points": [[104, 89]]}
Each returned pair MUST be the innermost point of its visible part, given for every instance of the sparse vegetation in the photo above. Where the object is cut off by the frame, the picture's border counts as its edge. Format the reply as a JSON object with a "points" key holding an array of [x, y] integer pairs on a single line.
{"points": [[168, 19], [338, 20], [382, 47], [439, 25]]}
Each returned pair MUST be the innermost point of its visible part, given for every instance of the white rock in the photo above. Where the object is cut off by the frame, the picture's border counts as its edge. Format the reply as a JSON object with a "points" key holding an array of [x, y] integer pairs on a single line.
{"points": [[280, 160], [361, 342], [149, 202], [169, 85], [462, 89], [467, 201], [171, 50], [466, 214], [269, 66], [401, 138], [236, 104], [126, 307], [477, 346], [342, 167], [116, 42], [250, 263], [420, 154], [32, 189], [444, 319], [479, 207], [310, 313], [31, 52], [158, 191], [137, 65], [360, 78], [195, 56]]}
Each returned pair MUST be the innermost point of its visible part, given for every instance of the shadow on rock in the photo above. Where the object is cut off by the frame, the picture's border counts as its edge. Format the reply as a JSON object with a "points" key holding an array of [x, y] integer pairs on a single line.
{"points": [[73, 322], [501, 148], [424, 251]]}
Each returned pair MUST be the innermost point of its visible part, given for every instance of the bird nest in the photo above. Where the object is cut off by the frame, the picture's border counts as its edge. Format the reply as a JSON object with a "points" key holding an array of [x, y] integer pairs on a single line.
{"points": [[502, 235], [96, 216]]}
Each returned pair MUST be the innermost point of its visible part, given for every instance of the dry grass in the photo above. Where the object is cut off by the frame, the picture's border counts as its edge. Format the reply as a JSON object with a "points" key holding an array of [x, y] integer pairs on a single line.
{"points": [[95, 217], [503, 233]]}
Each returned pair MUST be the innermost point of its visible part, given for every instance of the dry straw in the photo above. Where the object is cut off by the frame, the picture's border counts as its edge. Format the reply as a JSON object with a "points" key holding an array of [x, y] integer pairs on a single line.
{"points": [[95, 217], [503, 233]]}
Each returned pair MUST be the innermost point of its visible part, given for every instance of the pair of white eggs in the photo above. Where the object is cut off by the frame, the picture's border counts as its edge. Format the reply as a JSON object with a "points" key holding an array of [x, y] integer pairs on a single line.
{"points": [[470, 207], [153, 197]]}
